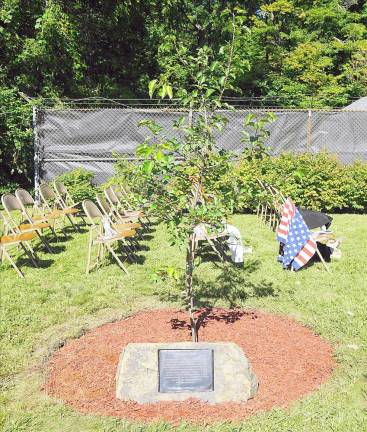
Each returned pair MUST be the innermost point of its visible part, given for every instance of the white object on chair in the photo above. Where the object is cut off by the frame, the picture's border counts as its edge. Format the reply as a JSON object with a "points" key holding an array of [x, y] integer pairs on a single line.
{"points": [[234, 243], [108, 231]]}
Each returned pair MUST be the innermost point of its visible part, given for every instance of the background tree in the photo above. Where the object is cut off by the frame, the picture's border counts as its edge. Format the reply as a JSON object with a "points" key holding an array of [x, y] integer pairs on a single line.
{"points": [[294, 53]]}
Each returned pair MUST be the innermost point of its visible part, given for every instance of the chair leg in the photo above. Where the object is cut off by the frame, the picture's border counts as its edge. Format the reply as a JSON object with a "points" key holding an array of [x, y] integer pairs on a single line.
{"points": [[82, 218], [29, 254], [6, 255], [32, 251], [72, 223], [265, 213], [116, 258], [89, 254], [44, 241], [54, 233], [214, 248]]}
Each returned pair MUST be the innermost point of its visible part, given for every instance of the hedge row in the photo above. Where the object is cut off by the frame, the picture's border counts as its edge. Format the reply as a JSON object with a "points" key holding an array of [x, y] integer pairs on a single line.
{"points": [[315, 181]]}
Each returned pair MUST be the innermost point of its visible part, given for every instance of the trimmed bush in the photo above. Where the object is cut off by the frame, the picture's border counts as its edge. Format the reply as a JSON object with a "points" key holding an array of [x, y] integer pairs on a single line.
{"points": [[315, 181]]}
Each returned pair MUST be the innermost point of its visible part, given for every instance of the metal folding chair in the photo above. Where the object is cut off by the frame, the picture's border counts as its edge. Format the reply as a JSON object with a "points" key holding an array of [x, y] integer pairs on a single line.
{"points": [[117, 205], [25, 224], [65, 198], [97, 237], [117, 222], [52, 203], [9, 241], [34, 213]]}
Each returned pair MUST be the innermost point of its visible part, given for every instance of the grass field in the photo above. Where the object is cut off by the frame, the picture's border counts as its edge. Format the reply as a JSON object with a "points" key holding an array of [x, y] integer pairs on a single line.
{"points": [[58, 301]]}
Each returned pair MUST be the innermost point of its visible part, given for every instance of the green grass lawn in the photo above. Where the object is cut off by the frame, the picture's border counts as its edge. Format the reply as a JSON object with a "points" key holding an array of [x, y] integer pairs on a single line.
{"points": [[58, 302]]}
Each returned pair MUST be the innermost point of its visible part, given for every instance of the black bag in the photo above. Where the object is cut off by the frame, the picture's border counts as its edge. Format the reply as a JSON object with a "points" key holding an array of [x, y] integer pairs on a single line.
{"points": [[315, 219]]}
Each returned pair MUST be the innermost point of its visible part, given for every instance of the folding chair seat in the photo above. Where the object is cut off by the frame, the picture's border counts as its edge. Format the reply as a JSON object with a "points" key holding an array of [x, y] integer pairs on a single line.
{"points": [[97, 236], [12, 206], [33, 226]]}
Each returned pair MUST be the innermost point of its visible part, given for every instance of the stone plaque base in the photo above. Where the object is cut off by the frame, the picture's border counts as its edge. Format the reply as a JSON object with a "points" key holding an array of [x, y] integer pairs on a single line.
{"points": [[137, 377]]}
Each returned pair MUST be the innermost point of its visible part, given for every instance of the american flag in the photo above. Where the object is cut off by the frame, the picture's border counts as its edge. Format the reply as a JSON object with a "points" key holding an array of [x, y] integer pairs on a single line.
{"points": [[299, 246]]}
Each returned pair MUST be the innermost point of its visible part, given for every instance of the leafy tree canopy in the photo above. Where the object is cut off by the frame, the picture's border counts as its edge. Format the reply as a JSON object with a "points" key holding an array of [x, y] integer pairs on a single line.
{"points": [[305, 52]]}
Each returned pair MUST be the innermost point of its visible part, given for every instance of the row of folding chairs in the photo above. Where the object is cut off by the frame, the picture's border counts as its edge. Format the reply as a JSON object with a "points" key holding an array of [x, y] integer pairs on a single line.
{"points": [[270, 204], [113, 222], [24, 219]]}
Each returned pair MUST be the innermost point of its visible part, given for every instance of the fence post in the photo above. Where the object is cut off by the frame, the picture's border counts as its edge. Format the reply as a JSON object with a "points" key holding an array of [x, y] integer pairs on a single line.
{"points": [[190, 116], [36, 147], [309, 131]]}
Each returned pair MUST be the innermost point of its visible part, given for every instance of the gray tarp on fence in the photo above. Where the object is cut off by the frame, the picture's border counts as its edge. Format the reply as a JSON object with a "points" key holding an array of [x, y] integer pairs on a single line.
{"points": [[71, 138]]}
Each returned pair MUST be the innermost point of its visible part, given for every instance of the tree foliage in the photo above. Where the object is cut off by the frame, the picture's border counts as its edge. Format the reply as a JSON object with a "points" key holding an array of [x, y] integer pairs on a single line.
{"points": [[302, 52]]}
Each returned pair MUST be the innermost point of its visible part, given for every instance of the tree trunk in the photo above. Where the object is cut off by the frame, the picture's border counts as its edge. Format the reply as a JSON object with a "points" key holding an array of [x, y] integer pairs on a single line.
{"points": [[190, 255]]}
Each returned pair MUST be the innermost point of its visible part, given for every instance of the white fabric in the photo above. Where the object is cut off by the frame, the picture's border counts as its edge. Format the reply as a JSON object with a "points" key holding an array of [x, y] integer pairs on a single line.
{"points": [[108, 231], [234, 243]]}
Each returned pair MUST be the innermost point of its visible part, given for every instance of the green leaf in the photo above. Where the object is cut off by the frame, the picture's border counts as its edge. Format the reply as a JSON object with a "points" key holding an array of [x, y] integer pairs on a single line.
{"points": [[169, 91], [209, 92], [159, 155], [152, 86], [148, 166], [164, 91]]}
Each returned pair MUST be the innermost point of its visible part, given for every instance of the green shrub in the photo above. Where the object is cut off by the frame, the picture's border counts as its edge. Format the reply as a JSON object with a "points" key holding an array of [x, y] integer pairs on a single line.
{"points": [[79, 184], [315, 181], [357, 190]]}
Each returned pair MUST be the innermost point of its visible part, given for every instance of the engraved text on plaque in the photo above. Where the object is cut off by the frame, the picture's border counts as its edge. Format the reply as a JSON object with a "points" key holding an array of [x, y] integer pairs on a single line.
{"points": [[185, 370]]}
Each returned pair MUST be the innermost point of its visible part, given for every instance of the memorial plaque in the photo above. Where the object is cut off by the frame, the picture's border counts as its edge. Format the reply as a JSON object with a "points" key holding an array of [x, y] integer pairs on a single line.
{"points": [[185, 370]]}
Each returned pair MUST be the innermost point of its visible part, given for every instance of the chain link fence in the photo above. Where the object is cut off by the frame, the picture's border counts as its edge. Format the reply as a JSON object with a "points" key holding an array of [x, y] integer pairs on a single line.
{"points": [[90, 137]]}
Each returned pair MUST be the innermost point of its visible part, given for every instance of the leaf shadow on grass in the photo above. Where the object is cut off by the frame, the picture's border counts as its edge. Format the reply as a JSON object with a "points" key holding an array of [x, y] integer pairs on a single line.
{"points": [[233, 286]]}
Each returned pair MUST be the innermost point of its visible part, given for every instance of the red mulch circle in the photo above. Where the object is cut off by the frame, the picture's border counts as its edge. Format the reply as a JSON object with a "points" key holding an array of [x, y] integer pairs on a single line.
{"points": [[289, 360]]}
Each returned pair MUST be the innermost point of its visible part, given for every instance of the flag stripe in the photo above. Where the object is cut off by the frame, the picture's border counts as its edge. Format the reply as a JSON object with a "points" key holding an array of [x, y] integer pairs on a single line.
{"points": [[293, 232]]}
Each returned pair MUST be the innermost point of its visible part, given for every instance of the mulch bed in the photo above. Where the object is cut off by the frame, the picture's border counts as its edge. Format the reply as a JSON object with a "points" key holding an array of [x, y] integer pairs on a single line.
{"points": [[289, 360]]}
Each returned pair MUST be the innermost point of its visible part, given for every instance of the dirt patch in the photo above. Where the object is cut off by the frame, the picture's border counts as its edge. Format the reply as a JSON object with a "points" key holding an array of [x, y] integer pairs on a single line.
{"points": [[289, 360]]}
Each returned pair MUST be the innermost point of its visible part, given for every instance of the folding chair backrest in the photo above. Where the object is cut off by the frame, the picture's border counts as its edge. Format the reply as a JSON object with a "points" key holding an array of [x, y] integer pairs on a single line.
{"points": [[11, 203], [60, 188], [103, 204], [24, 197], [279, 194], [111, 196], [47, 193], [261, 183], [91, 210], [117, 190]]}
